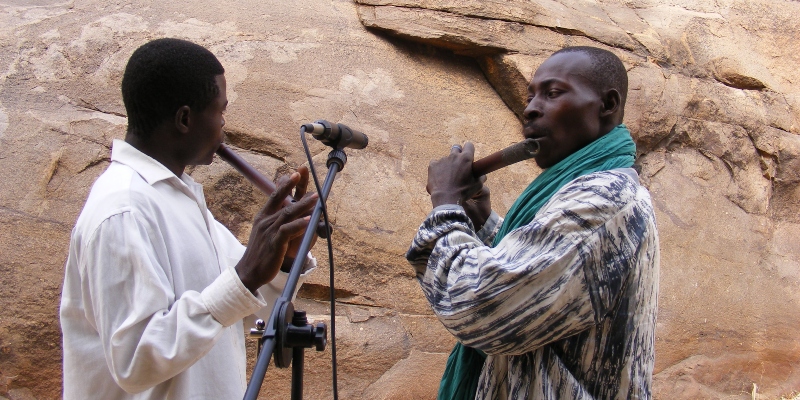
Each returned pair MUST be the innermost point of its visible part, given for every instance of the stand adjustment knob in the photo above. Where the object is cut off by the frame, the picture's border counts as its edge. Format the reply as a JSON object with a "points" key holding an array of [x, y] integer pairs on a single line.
{"points": [[320, 336], [258, 331]]}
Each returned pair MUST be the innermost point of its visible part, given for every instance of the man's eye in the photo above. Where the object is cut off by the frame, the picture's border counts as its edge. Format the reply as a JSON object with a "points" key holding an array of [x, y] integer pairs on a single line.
{"points": [[553, 93]]}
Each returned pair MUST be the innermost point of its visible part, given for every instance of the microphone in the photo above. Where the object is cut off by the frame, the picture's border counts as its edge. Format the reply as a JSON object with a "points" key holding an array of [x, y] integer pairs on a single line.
{"points": [[337, 136]]}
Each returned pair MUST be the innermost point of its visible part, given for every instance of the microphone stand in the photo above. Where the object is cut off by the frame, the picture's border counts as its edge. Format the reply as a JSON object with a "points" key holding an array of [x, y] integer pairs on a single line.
{"points": [[288, 333]]}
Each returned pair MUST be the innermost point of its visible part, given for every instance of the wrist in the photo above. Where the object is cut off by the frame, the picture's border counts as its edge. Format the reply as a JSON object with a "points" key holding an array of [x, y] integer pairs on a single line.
{"points": [[245, 280], [438, 199]]}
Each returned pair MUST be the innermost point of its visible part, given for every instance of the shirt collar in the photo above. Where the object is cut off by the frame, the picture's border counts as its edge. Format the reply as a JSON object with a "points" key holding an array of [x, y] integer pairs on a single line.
{"points": [[148, 168]]}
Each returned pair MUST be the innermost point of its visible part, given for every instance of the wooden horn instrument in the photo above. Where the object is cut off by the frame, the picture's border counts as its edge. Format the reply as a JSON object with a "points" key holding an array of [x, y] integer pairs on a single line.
{"points": [[251, 174], [513, 154], [258, 180]]}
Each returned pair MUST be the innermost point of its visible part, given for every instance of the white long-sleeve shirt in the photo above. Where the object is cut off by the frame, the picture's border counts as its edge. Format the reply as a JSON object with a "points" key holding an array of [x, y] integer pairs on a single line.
{"points": [[151, 306]]}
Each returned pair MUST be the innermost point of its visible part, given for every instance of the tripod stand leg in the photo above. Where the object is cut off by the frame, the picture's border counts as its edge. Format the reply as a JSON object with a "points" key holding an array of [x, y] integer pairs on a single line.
{"points": [[297, 373]]}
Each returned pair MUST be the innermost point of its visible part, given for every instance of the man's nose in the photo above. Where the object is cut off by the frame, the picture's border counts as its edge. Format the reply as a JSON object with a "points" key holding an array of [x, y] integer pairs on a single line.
{"points": [[532, 110]]}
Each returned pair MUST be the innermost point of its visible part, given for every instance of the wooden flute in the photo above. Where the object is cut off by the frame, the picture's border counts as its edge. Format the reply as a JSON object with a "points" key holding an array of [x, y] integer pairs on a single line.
{"points": [[260, 181], [513, 154], [251, 174]]}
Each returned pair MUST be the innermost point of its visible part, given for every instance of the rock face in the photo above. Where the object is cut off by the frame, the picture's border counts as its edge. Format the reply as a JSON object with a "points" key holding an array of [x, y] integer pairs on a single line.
{"points": [[713, 106]]}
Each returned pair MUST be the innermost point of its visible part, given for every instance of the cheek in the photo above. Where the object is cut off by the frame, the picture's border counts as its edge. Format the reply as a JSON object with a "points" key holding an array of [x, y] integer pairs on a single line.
{"points": [[578, 119]]}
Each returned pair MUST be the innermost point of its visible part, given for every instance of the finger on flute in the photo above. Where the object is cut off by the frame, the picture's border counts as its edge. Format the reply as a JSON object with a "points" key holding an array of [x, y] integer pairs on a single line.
{"points": [[260, 181]]}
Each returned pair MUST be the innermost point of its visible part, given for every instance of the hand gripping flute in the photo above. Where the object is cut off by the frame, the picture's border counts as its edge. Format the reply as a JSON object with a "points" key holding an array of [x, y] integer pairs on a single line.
{"points": [[257, 179], [275, 339]]}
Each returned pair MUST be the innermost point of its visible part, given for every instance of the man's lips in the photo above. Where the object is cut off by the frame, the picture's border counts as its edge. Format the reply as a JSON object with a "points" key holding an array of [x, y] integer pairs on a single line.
{"points": [[531, 132]]}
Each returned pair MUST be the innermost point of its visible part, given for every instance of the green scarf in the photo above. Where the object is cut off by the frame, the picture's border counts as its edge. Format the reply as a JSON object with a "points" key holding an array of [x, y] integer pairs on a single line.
{"points": [[615, 149]]}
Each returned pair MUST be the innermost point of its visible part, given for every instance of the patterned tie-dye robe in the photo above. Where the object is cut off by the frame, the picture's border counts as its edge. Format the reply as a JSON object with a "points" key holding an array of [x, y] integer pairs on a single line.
{"points": [[565, 307]]}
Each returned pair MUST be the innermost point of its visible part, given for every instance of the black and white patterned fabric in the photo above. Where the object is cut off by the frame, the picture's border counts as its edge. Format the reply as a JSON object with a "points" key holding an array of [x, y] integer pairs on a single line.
{"points": [[565, 307]]}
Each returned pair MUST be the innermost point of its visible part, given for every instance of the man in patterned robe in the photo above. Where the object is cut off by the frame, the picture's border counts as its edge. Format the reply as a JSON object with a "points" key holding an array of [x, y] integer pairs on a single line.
{"points": [[560, 296]]}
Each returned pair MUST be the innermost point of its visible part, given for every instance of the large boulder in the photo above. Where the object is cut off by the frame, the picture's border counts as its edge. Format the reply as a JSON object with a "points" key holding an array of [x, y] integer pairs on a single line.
{"points": [[711, 105], [714, 111]]}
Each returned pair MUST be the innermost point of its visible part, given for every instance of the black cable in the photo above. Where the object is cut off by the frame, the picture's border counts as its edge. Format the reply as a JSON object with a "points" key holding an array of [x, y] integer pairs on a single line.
{"points": [[330, 260]]}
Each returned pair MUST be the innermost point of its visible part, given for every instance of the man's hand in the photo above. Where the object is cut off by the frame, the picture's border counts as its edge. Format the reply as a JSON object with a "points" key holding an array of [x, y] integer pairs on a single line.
{"points": [[299, 192], [479, 207], [294, 245], [450, 179], [274, 229]]}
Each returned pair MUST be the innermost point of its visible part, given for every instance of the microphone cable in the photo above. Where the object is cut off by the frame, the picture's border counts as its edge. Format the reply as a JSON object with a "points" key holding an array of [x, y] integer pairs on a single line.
{"points": [[330, 258]]}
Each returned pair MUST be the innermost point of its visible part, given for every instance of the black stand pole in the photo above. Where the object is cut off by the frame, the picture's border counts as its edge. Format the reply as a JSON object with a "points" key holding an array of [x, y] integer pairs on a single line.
{"points": [[287, 332], [297, 372]]}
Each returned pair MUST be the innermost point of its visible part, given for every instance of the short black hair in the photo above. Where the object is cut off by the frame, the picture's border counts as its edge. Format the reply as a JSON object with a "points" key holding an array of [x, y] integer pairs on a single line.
{"points": [[164, 75], [607, 72]]}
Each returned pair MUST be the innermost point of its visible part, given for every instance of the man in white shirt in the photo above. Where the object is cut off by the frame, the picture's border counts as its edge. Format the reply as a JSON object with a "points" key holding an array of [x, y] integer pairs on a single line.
{"points": [[155, 288]]}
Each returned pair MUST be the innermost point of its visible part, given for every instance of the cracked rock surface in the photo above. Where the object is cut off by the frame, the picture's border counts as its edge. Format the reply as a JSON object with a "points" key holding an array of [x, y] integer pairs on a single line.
{"points": [[713, 105]]}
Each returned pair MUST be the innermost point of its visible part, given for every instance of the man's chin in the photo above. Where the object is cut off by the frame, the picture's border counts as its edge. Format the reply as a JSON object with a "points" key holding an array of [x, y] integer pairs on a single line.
{"points": [[544, 162], [207, 160]]}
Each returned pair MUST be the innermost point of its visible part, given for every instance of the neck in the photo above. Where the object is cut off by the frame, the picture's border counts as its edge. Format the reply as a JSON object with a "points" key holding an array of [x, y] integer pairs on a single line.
{"points": [[160, 151], [608, 126]]}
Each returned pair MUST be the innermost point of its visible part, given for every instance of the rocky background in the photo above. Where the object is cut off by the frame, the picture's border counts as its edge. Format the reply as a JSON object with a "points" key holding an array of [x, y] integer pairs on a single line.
{"points": [[713, 106]]}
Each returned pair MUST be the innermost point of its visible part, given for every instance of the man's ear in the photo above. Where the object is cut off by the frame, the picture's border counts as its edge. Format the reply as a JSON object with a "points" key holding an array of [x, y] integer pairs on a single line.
{"points": [[612, 102], [182, 119]]}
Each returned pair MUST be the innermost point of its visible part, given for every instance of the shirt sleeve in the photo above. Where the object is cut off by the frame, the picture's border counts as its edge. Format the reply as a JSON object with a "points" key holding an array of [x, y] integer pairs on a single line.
{"points": [[529, 290], [272, 290], [149, 333], [490, 229]]}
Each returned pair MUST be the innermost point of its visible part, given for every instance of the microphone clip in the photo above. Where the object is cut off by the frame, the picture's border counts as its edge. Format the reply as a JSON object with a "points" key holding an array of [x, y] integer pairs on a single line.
{"points": [[337, 136]]}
